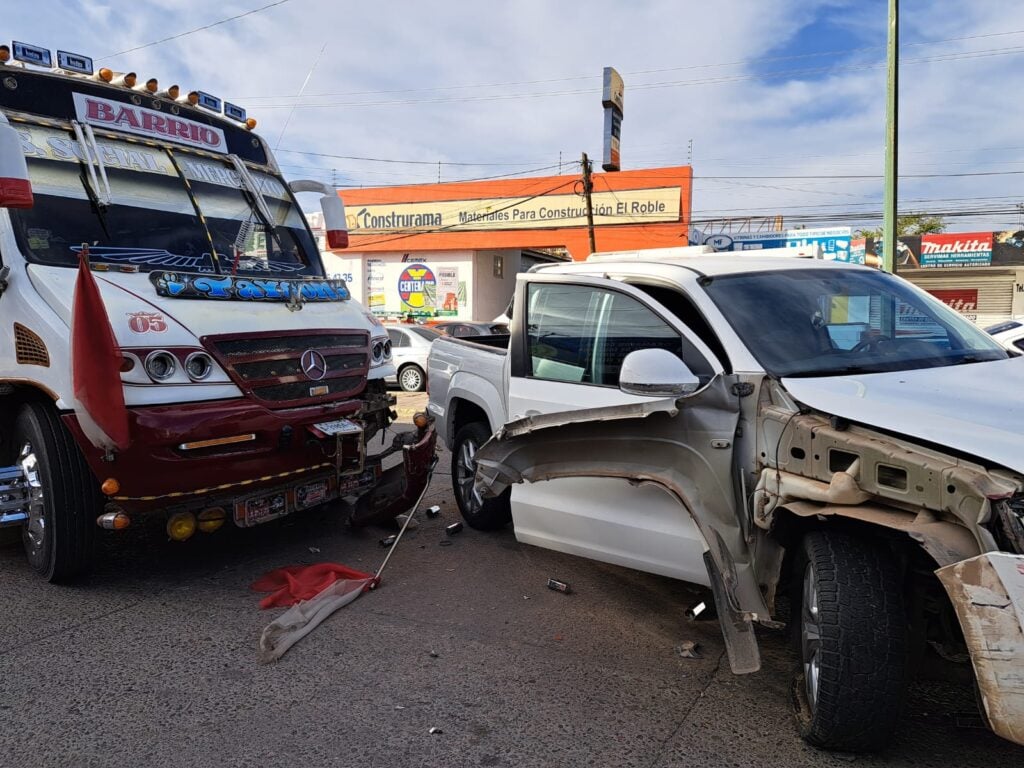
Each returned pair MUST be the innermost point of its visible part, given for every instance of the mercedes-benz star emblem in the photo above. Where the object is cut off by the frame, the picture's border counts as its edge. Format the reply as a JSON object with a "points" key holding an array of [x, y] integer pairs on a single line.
{"points": [[313, 364]]}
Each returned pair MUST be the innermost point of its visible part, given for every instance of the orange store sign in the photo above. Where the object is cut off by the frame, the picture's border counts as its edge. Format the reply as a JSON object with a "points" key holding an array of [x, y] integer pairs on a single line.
{"points": [[627, 206]]}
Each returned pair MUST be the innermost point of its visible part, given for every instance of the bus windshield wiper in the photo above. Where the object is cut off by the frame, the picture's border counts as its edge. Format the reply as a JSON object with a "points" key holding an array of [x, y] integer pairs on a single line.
{"points": [[94, 200], [259, 205]]}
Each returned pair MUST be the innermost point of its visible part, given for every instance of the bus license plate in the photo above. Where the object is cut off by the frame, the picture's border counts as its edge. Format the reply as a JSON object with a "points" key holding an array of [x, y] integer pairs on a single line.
{"points": [[261, 509], [311, 494], [364, 479], [339, 427]]}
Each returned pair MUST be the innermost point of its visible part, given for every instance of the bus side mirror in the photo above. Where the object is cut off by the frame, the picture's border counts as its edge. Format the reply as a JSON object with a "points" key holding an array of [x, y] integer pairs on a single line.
{"points": [[333, 210], [15, 187]]}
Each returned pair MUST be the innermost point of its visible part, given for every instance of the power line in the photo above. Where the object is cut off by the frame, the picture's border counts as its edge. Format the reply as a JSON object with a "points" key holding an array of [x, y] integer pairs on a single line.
{"points": [[193, 31], [391, 160], [650, 86], [764, 60]]}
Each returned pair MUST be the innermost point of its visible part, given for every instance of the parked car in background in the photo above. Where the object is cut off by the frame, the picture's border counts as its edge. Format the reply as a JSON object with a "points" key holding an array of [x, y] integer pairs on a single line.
{"points": [[1010, 334], [410, 345], [462, 329]]}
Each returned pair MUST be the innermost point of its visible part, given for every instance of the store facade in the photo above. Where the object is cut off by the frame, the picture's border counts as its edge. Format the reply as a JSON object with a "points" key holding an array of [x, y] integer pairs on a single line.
{"points": [[453, 250]]}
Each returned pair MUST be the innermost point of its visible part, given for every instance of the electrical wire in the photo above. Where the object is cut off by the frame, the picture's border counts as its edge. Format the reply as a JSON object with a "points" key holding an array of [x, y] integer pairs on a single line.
{"points": [[649, 86], [193, 31], [739, 62]]}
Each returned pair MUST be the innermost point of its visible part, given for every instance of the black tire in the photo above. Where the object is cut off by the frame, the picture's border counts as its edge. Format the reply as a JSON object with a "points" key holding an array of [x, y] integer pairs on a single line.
{"points": [[411, 378], [861, 657], [67, 498], [481, 514]]}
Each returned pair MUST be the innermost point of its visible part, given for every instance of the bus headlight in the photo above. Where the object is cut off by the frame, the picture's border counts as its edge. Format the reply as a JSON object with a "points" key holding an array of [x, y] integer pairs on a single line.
{"points": [[161, 365]]}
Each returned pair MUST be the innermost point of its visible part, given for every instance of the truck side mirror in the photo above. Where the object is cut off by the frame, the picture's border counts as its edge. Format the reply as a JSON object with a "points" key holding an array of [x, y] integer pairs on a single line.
{"points": [[15, 187], [333, 209], [656, 373]]}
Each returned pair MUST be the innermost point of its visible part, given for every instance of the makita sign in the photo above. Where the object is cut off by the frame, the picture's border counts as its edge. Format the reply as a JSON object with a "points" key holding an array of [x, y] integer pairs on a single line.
{"points": [[118, 116], [961, 299], [962, 249]]}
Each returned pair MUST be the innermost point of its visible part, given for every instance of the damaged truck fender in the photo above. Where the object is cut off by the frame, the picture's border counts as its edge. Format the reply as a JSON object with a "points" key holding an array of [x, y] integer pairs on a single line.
{"points": [[987, 593], [640, 442]]}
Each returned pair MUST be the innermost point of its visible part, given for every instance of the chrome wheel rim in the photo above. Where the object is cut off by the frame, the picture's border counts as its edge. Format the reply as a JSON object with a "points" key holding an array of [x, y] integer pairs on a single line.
{"points": [[465, 475], [34, 532], [810, 637], [411, 379]]}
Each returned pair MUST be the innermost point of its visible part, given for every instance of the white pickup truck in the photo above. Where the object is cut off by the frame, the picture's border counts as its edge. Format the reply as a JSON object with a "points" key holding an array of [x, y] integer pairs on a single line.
{"points": [[821, 444]]}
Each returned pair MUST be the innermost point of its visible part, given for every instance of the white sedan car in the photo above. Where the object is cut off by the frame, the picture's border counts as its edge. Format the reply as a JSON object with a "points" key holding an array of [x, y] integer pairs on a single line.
{"points": [[410, 345], [1010, 334]]}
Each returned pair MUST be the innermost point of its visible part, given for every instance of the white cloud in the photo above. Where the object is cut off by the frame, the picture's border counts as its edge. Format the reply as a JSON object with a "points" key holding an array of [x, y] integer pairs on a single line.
{"points": [[952, 112]]}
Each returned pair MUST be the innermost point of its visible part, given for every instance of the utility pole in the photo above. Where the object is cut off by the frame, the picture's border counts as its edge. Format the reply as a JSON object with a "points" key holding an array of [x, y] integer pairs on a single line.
{"points": [[891, 136], [588, 187]]}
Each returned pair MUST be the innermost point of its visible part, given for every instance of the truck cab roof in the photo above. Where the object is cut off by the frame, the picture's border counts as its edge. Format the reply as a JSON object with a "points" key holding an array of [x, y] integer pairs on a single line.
{"points": [[701, 264]]}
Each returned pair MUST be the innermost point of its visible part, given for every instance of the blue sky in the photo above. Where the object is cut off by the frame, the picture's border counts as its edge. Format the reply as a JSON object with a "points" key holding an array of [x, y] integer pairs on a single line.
{"points": [[776, 89]]}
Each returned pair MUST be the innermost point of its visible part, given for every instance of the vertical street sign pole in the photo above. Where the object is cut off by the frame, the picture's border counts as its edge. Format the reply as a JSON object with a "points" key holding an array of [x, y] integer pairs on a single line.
{"points": [[891, 134]]}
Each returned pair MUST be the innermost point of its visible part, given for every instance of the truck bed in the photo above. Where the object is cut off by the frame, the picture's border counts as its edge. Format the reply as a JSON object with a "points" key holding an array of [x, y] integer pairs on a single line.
{"points": [[470, 370]]}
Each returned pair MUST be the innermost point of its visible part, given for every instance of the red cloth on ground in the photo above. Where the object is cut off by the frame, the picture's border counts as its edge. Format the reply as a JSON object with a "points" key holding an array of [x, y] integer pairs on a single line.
{"points": [[296, 583]]}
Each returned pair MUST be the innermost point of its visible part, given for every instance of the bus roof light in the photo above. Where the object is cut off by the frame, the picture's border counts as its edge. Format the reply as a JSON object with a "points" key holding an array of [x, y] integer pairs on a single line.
{"points": [[33, 54], [150, 86], [103, 75], [191, 98], [126, 79], [171, 93], [206, 101], [234, 112], [5, 54], [74, 62]]}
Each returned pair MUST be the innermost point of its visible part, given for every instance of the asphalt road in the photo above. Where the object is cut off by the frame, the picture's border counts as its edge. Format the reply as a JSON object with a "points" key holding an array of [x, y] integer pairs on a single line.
{"points": [[152, 662]]}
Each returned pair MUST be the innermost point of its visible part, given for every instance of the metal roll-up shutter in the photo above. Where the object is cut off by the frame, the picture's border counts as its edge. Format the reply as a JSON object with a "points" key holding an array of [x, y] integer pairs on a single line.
{"points": [[991, 293]]}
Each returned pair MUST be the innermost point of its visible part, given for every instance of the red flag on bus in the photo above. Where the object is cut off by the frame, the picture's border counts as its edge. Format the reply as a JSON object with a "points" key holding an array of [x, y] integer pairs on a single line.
{"points": [[96, 364]]}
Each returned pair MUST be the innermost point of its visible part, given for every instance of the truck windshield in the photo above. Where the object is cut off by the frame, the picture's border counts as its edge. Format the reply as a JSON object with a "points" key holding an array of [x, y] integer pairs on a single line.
{"points": [[153, 217], [824, 322]]}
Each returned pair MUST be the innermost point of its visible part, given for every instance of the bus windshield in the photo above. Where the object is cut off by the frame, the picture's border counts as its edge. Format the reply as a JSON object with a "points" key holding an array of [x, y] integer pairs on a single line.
{"points": [[167, 210]]}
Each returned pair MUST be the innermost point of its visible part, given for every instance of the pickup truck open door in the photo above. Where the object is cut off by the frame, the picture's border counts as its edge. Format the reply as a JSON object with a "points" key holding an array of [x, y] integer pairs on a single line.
{"points": [[641, 480]]}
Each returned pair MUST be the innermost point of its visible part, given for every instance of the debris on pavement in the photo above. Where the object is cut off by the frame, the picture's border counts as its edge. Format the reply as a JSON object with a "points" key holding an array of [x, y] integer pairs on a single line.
{"points": [[401, 521], [434, 511], [688, 649], [445, 543], [452, 529], [559, 586], [314, 550], [435, 731], [387, 541]]}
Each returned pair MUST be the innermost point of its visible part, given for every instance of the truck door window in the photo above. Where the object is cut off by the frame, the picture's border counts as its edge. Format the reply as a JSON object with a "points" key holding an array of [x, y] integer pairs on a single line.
{"points": [[687, 312], [581, 335]]}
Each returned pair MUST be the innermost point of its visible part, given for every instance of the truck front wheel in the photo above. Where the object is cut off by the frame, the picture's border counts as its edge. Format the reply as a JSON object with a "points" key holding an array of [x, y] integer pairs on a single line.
{"points": [[64, 500], [479, 513], [852, 639]]}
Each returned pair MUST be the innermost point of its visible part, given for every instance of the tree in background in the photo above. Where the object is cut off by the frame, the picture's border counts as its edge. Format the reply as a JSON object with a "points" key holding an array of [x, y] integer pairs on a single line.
{"points": [[911, 224]]}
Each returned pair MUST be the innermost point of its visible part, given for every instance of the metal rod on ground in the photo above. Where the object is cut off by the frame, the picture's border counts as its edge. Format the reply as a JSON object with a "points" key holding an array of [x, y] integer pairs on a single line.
{"points": [[412, 512]]}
